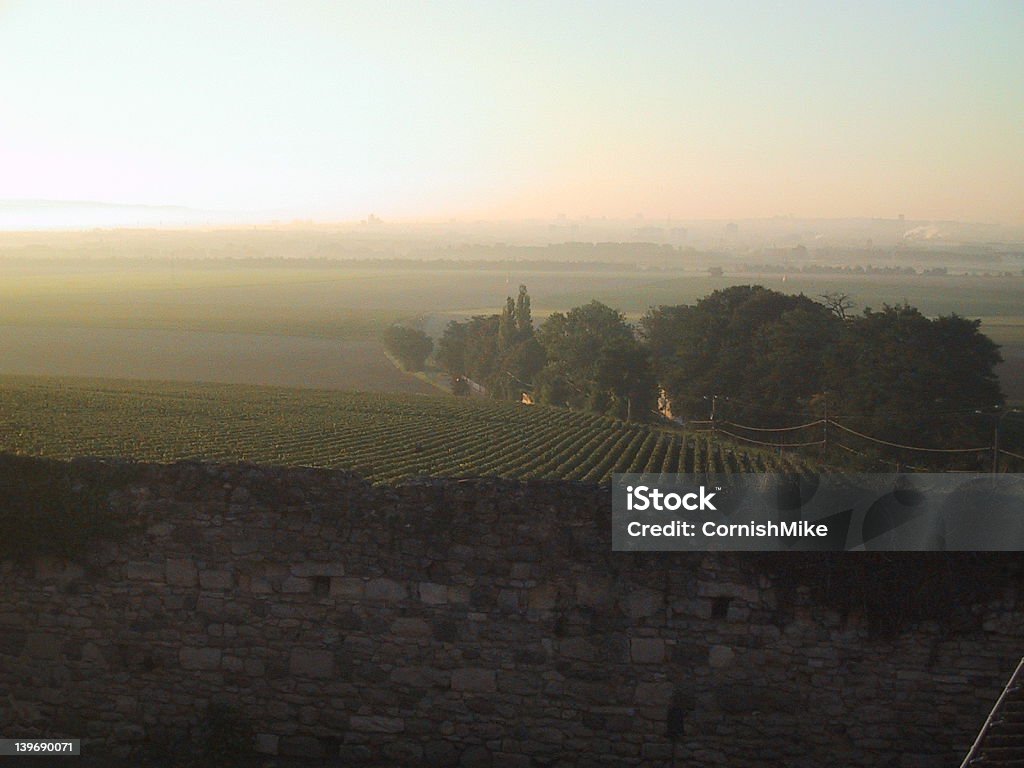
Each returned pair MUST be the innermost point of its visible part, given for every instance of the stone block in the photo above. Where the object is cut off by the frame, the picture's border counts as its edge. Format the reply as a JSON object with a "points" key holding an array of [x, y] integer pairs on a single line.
{"points": [[414, 678], [266, 743], [542, 598], [522, 571], [376, 724], [143, 571], [200, 658], [433, 594], [476, 757], [644, 603], [260, 586], [385, 589], [296, 585], [411, 627], [577, 648], [594, 592], [647, 650], [181, 572], [440, 753], [160, 530], [725, 589], [653, 694], [301, 746], [305, 662], [216, 579], [43, 646], [347, 588], [474, 680], [309, 570], [506, 760], [720, 656]]}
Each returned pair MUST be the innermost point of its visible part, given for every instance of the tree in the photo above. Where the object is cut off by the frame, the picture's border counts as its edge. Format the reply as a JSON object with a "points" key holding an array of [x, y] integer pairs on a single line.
{"points": [[913, 379], [595, 362], [411, 347], [499, 352], [524, 318], [507, 329], [838, 303], [625, 383], [759, 348], [451, 349]]}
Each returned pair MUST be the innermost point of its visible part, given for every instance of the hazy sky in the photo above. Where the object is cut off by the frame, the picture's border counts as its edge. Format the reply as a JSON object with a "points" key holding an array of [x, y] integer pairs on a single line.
{"points": [[512, 109]]}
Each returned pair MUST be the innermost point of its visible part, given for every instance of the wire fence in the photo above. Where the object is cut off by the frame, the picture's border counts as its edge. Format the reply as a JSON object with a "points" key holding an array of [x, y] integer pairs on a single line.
{"points": [[730, 429]]}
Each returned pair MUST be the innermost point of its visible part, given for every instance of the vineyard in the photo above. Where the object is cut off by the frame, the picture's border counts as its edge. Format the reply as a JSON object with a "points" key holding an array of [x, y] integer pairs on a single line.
{"points": [[383, 437]]}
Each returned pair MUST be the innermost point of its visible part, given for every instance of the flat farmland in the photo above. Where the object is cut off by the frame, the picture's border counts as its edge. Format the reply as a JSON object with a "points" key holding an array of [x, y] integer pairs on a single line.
{"points": [[349, 302], [233, 358]]}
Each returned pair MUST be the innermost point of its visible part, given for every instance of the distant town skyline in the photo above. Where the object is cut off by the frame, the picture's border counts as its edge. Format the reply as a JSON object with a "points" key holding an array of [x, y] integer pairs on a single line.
{"points": [[676, 110]]}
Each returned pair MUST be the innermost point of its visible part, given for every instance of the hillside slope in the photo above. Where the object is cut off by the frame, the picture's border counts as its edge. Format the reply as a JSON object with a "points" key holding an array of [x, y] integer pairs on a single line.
{"points": [[384, 437]]}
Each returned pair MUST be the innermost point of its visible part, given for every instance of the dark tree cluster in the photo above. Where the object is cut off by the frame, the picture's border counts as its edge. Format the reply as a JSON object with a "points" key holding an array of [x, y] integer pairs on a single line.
{"points": [[588, 358], [498, 352], [747, 343], [776, 359], [912, 378], [409, 346], [596, 362], [773, 359]]}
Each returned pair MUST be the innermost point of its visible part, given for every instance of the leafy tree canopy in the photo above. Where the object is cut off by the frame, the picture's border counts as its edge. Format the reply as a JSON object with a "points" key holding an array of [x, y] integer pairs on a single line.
{"points": [[410, 346]]}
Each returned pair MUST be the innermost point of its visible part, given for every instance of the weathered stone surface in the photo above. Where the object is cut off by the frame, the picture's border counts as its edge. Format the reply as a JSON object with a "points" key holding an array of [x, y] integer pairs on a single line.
{"points": [[654, 694], [433, 594], [181, 572], [720, 656], [200, 658], [543, 597], [300, 746], [311, 663], [480, 622], [347, 588], [385, 589], [143, 572], [376, 724], [476, 757], [474, 680], [267, 743], [216, 579], [577, 648], [646, 650], [294, 585], [43, 645], [644, 603], [411, 628], [308, 570]]}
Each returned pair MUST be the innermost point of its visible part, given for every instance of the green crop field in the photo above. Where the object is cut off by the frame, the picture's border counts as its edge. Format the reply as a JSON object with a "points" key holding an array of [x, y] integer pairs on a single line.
{"points": [[383, 437]]}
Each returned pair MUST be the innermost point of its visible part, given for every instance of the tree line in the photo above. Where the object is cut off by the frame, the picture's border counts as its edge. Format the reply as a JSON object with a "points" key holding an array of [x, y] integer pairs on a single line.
{"points": [[774, 358], [588, 358]]}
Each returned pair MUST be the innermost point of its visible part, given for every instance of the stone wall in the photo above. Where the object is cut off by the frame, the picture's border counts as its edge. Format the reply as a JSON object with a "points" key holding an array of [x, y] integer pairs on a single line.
{"points": [[472, 623]]}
